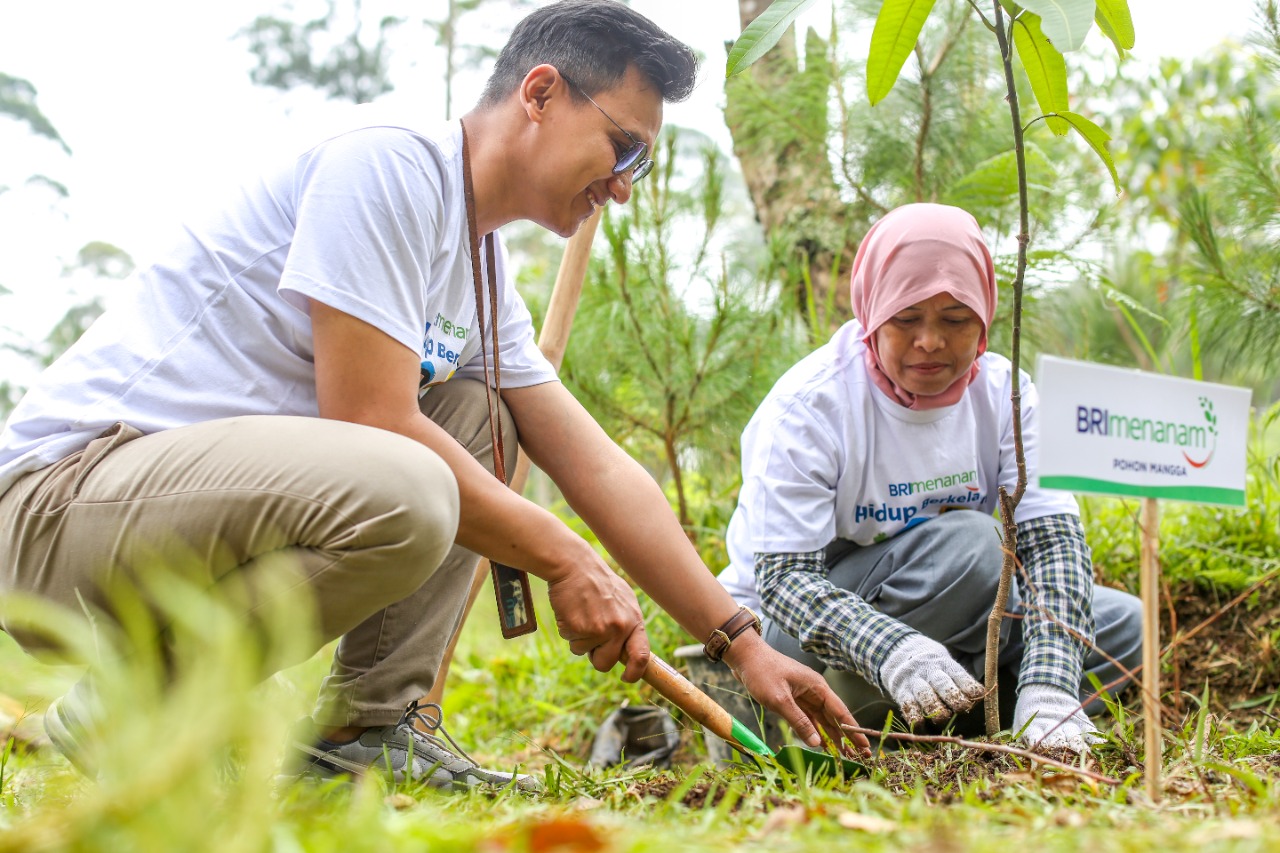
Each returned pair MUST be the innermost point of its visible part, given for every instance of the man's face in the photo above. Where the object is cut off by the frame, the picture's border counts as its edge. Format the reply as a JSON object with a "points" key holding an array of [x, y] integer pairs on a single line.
{"points": [[580, 147]]}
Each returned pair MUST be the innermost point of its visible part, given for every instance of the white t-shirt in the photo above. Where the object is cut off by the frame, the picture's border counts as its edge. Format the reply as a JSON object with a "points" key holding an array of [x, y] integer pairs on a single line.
{"points": [[367, 217], [828, 456]]}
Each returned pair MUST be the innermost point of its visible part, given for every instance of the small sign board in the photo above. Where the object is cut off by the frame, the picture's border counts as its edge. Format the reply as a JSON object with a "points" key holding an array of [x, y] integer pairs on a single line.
{"points": [[1117, 431]]}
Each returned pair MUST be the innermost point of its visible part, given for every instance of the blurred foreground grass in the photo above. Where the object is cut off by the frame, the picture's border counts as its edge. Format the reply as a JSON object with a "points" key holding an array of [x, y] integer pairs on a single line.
{"points": [[192, 771], [191, 764]]}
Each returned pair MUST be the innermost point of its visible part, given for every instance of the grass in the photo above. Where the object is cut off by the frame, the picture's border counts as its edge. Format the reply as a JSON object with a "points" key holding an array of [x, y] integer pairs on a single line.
{"points": [[530, 701], [193, 747]]}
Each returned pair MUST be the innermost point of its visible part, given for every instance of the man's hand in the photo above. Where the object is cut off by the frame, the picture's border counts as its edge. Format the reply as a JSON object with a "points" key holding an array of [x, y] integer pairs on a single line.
{"points": [[795, 692], [1052, 717], [925, 681], [598, 614]]}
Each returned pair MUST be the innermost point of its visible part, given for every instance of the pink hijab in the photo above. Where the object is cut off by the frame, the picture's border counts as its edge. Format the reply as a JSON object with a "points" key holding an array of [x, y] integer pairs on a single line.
{"points": [[911, 254]]}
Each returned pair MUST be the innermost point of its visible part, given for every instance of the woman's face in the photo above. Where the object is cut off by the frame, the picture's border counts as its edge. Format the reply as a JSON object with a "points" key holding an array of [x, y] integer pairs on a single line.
{"points": [[928, 346]]}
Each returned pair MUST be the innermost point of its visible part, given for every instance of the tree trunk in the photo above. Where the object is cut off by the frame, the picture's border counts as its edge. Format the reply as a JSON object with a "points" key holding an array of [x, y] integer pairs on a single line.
{"points": [[777, 116]]}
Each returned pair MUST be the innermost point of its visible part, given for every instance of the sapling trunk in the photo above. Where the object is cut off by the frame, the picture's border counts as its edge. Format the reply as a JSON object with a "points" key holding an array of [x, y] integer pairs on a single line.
{"points": [[1008, 503]]}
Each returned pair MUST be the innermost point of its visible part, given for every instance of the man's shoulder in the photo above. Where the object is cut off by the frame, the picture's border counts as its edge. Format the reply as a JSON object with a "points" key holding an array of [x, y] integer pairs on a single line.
{"points": [[382, 127], [387, 153]]}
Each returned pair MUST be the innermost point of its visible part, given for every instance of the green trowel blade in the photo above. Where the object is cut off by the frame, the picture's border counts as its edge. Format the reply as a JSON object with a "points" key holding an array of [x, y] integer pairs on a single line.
{"points": [[801, 760], [748, 739]]}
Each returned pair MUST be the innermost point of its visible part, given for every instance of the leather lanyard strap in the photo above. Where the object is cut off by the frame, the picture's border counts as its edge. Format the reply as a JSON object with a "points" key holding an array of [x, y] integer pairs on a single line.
{"points": [[510, 585]]}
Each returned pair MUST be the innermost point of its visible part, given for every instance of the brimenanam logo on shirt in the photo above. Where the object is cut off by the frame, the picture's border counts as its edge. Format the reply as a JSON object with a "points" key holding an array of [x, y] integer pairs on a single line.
{"points": [[962, 478], [450, 329], [885, 512], [440, 347], [1196, 442]]}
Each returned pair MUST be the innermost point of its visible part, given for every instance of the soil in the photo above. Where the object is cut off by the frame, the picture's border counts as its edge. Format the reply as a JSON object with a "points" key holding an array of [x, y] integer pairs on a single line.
{"points": [[946, 767], [943, 769], [702, 794], [1237, 655]]}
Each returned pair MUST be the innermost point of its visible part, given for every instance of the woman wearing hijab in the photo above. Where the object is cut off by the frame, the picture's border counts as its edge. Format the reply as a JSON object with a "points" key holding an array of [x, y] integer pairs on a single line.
{"points": [[865, 531]]}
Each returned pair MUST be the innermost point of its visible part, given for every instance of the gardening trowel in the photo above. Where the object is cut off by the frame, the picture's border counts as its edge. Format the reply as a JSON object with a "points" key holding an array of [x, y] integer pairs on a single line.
{"points": [[682, 693]]}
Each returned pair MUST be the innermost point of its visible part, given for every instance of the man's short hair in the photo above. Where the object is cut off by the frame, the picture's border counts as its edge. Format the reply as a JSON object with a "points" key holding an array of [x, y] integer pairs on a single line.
{"points": [[593, 42]]}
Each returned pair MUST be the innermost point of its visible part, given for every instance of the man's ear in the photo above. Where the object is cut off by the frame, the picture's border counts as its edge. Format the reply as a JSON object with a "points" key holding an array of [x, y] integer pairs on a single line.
{"points": [[540, 87]]}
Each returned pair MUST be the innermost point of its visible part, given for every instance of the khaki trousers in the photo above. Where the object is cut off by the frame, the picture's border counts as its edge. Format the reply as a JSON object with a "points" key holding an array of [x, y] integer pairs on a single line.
{"points": [[364, 518]]}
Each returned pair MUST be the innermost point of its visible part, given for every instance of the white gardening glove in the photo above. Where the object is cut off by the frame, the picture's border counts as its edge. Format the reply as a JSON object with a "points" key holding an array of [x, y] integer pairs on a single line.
{"points": [[925, 681], [1052, 717]]}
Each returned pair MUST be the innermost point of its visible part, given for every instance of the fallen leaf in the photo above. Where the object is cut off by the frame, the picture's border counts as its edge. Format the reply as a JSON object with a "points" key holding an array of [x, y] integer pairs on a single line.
{"points": [[565, 835], [1062, 783], [784, 818], [865, 822]]}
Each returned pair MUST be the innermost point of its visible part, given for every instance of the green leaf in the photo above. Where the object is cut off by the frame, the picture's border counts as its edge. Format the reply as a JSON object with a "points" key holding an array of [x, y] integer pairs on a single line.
{"points": [[1065, 22], [1193, 337], [1116, 23], [1109, 32], [1045, 67], [1242, 775], [1127, 306], [994, 181], [18, 101], [897, 28], [1097, 139], [763, 33]]}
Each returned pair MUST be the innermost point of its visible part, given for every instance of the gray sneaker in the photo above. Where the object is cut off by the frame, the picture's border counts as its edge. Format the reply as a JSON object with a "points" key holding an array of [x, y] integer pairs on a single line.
{"points": [[69, 724], [403, 749]]}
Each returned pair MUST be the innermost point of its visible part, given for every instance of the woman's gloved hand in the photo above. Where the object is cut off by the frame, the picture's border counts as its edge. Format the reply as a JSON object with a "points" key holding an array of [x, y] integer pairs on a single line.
{"points": [[925, 681], [1051, 717]]}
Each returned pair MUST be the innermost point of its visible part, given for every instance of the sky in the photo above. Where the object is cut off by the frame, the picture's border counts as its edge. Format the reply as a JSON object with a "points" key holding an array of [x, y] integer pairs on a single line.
{"points": [[155, 102]]}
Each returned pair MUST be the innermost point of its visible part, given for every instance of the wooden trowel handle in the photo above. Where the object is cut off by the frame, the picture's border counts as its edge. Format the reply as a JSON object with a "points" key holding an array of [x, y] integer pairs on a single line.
{"points": [[679, 691]]}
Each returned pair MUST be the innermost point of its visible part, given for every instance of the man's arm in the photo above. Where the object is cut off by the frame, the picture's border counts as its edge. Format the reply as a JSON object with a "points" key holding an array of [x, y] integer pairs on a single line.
{"points": [[366, 377], [622, 505]]}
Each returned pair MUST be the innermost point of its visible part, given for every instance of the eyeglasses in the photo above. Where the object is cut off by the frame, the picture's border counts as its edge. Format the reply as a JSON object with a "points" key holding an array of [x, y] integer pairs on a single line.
{"points": [[633, 158]]}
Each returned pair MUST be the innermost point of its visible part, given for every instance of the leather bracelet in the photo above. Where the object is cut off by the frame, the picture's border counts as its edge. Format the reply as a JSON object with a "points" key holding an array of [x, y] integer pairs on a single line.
{"points": [[721, 638]]}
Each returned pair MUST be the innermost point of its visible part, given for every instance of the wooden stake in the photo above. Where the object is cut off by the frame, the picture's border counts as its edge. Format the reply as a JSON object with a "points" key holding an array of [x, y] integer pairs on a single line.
{"points": [[1150, 589], [552, 340]]}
